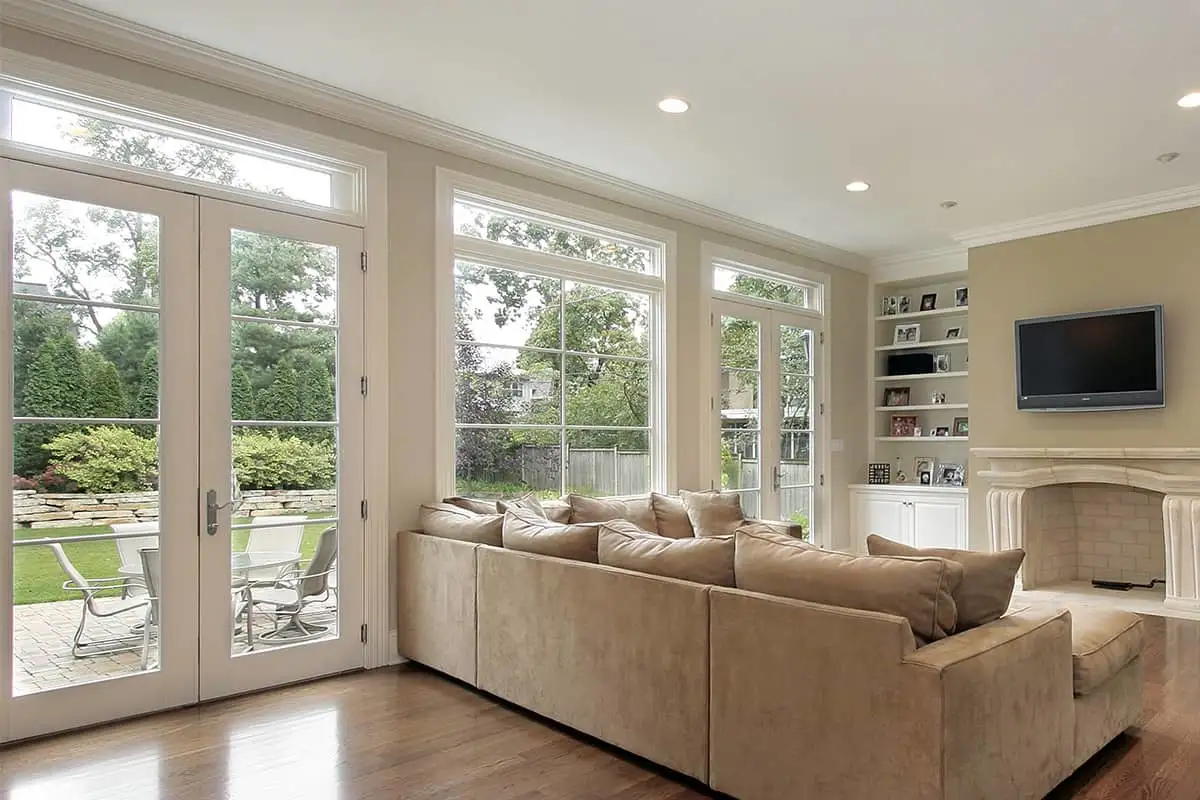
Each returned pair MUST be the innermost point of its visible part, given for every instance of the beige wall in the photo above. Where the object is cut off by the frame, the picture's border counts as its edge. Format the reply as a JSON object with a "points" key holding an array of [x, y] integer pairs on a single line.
{"points": [[1150, 260], [411, 183]]}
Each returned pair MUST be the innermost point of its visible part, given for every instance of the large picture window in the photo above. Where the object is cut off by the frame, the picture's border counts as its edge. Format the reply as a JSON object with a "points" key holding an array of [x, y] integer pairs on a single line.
{"points": [[558, 342]]}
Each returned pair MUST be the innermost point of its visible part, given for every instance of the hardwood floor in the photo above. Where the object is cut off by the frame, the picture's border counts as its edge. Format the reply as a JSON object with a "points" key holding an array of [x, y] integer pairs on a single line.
{"points": [[408, 733]]}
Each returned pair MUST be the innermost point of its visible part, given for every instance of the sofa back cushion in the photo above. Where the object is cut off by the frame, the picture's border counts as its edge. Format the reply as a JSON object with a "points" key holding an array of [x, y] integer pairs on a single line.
{"points": [[528, 502], [919, 589], [670, 516], [708, 560], [638, 510], [988, 578], [471, 504], [452, 522], [713, 513], [523, 530]]}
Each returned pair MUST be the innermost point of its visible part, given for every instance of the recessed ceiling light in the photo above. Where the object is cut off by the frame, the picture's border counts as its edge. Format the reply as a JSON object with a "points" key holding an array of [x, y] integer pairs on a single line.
{"points": [[948, 203], [857, 186], [1166, 158], [673, 105], [1191, 100]]}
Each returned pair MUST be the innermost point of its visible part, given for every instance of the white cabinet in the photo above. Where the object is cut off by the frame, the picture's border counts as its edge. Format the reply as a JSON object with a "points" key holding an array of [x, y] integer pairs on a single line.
{"points": [[930, 517]]}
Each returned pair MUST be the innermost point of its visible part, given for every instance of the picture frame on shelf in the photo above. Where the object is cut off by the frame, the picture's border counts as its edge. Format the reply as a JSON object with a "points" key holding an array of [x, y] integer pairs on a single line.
{"points": [[961, 427], [879, 474], [950, 474], [941, 362], [903, 425], [960, 297], [923, 465], [897, 396], [954, 332], [925, 478], [937, 398], [902, 304], [889, 306], [909, 333], [929, 301], [941, 430]]}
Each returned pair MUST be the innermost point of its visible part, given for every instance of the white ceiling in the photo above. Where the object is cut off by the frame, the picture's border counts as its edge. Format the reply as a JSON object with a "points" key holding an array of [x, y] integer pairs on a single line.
{"points": [[1014, 109]]}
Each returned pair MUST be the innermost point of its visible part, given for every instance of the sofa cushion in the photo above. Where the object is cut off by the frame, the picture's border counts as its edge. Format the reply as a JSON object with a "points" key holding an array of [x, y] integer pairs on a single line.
{"points": [[451, 522], [529, 502], [789, 530], [987, 585], [713, 513], [638, 510], [702, 560], [471, 504], [1103, 642], [557, 510], [919, 589], [526, 531], [670, 516]]}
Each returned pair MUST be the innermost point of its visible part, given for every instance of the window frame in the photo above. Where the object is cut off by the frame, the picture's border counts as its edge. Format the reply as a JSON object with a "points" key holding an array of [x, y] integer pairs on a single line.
{"points": [[454, 247]]}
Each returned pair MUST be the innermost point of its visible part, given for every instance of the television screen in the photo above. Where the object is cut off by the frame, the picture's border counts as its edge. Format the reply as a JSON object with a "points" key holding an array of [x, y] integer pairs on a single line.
{"points": [[1106, 359]]}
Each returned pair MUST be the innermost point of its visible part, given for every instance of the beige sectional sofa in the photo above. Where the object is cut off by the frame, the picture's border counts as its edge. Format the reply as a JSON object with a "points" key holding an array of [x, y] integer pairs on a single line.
{"points": [[764, 697]]}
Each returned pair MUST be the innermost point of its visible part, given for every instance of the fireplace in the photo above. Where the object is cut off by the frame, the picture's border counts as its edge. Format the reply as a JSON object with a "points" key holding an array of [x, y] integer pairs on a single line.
{"points": [[1121, 514]]}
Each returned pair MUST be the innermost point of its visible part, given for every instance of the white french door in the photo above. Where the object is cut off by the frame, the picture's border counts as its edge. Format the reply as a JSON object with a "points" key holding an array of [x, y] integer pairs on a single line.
{"points": [[139, 321], [766, 409]]}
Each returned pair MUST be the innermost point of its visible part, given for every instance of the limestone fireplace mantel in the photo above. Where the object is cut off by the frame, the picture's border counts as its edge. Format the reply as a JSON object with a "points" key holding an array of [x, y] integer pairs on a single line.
{"points": [[1011, 473]]}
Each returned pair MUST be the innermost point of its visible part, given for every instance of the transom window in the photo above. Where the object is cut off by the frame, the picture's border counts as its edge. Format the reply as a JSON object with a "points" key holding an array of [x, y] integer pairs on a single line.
{"points": [[557, 354], [741, 279]]}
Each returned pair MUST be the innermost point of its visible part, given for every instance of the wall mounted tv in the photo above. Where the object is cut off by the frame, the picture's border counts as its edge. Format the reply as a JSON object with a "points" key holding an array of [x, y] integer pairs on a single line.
{"points": [[1101, 360]]}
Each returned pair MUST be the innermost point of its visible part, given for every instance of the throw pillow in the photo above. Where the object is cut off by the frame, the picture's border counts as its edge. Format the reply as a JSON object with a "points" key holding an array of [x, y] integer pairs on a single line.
{"points": [[713, 513], [709, 560], [988, 578], [452, 522], [919, 589], [557, 510], [639, 510], [529, 502], [525, 531], [470, 504], [670, 516]]}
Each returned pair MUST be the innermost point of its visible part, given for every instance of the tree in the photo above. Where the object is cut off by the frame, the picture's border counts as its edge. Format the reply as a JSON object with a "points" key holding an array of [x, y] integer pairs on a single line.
{"points": [[146, 404], [241, 395], [281, 400], [125, 341], [54, 387], [34, 324], [482, 397], [106, 459], [316, 401], [105, 396]]}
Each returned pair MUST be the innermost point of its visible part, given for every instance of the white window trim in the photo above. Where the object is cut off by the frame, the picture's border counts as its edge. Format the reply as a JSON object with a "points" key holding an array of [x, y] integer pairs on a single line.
{"points": [[450, 245], [371, 216], [711, 255]]}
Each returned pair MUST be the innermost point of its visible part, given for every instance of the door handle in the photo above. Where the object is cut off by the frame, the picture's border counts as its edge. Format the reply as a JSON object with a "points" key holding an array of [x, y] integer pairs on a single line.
{"points": [[211, 508]]}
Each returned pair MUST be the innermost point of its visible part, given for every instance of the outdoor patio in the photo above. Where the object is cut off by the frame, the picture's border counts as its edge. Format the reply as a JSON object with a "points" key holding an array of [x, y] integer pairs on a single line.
{"points": [[42, 634]]}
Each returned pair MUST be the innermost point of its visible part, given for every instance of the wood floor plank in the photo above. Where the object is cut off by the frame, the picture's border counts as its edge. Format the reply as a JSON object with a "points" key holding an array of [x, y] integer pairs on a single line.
{"points": [[410, 733]]}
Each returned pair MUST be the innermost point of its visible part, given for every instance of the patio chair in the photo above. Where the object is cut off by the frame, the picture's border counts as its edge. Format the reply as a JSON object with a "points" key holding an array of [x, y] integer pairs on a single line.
{"points": [[96, 607], [280, 537], [127, 551], [152, 573], [296, 592]]}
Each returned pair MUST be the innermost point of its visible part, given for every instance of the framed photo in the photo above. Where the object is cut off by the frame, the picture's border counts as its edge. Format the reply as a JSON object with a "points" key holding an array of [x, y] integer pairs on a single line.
{"points": [[950, 474], [907, 334], [960, 426], [924, 465], [941, 430], [960, 296], [897, 396], [954, 333], [941, 362], [879, 473], [937, 398], [929, 301], [902, 304], [925, 477], [903, 425], [889, 306]]}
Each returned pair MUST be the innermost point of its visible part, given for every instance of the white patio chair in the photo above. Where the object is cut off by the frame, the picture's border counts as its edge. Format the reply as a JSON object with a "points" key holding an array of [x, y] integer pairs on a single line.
{"points": [[152, 574], [295, 592], [127, 551], [96, 607], [282, 539]]}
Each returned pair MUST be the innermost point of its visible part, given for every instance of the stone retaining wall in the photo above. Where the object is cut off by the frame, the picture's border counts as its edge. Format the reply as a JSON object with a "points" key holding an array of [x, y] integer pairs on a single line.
{"points": [[33, 510]]}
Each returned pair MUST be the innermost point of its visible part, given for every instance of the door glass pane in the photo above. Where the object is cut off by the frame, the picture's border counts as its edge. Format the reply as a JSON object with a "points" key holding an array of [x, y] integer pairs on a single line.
{"points": [[284, 400], [795, 425], [85, 443], [741, 417], [795, 505]]}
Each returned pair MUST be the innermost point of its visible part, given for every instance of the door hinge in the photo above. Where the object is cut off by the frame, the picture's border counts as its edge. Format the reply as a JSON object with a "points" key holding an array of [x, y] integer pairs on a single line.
{"points": [[362, 260], [362, 633], [821, 409], [822, 479], [362, 385], [821, 340], [362, 509], [712, 320], [712, 404]]}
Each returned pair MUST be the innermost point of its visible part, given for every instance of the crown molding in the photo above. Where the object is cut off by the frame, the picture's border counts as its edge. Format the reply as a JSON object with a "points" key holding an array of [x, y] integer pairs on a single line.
{"points": [[96, 30], [1084, 217], [919, 264]]}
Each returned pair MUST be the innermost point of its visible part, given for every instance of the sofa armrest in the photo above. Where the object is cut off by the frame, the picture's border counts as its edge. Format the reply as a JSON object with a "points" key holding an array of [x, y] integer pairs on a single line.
{"points": [[435, 595], [1007, 713], [793, 529]]}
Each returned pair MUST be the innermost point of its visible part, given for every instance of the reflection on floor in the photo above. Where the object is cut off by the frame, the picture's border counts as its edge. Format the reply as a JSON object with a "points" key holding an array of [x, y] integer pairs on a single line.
{"points": [[1082, 593], [42, 634]]}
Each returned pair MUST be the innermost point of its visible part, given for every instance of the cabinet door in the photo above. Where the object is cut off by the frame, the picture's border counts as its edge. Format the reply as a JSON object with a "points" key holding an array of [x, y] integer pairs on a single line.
{"points": [[939, 522], [882, 515]]}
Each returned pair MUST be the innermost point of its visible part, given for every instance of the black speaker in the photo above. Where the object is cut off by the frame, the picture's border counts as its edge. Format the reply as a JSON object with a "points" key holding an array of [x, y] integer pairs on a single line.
{"points": [[910, 364]]}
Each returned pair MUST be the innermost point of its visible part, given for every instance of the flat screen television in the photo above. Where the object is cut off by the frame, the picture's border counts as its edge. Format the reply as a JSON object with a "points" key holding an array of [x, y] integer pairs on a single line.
{"points": [[1101, 360]]}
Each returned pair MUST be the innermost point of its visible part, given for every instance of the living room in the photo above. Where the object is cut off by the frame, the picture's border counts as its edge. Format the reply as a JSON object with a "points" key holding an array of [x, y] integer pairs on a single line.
{"points": [[672, 330]]}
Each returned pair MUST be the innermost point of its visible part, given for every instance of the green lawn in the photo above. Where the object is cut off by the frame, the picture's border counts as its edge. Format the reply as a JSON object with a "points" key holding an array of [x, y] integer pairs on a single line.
{"points": [[38, 579]]}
